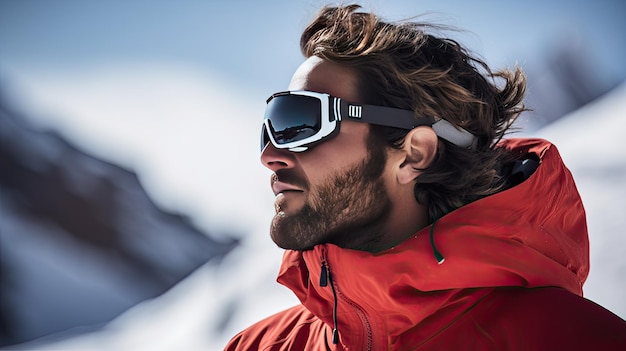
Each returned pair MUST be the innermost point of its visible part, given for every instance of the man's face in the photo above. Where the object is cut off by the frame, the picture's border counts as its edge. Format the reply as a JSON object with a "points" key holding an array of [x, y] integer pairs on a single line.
{"points": [[334, 192]]}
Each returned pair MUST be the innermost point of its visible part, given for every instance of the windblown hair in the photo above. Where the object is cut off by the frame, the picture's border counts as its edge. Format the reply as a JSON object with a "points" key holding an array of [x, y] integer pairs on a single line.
{"points": [[401, 65]]}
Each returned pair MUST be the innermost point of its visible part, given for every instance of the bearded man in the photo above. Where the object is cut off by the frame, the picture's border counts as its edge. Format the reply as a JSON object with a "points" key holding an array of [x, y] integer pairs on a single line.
{"points": [[409, 223]]}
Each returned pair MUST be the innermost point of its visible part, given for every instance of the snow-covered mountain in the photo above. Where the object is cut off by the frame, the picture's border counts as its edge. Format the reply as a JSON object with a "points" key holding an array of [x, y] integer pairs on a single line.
{"points": [[211, 305]]}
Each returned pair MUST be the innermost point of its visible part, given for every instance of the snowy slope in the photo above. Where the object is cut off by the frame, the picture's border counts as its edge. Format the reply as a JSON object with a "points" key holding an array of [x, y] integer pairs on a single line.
{"points": [[192, 315]]}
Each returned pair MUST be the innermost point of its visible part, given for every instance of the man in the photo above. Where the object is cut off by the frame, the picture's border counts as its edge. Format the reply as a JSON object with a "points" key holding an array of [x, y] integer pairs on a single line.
{"points": [[408, 223]]}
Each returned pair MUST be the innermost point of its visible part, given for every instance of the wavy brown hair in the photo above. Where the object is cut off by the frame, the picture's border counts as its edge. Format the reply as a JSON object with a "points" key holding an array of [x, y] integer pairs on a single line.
{"points": [[403, 66]]}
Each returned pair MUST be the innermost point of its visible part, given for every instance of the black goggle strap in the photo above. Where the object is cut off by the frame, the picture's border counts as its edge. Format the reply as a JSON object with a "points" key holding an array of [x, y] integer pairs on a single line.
{"points": [[405, 119], [382, 115]]}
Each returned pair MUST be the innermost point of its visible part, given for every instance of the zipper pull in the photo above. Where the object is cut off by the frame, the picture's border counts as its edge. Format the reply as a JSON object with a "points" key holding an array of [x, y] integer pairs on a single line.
{"points": [[335, 336], [324, 275]]}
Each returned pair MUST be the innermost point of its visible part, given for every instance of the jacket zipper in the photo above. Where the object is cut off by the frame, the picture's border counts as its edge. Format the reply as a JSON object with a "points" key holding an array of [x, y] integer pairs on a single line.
{"points": [[325, 280]]}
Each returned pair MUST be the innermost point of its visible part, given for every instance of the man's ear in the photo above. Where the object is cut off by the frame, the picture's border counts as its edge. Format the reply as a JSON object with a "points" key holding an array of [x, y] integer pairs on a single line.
{"points": [[419, 151]]}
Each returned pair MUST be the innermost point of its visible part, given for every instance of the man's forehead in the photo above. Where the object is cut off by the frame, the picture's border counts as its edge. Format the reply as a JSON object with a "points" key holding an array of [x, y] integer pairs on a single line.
{"points": [[315, 74]]}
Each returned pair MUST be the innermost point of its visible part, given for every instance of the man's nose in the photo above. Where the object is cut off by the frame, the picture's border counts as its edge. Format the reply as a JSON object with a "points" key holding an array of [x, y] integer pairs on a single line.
{"points": [[276, 159]]}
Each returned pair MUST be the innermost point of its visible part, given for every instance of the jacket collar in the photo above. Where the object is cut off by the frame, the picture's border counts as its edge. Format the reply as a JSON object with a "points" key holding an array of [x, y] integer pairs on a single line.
{"points": [[531, 235]]}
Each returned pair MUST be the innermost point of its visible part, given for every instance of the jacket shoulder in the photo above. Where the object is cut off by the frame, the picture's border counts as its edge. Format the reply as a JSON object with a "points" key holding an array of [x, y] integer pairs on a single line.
{"points": [[547, 319], [292, 329]]}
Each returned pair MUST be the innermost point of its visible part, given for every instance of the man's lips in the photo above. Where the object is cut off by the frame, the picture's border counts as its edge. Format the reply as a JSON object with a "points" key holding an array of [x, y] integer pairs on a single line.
{"points": [[285, 181], [279, 187]]}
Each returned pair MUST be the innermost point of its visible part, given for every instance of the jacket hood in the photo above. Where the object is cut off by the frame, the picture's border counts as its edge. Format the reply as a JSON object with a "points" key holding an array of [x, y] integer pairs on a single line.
{"points": [[531, 235]]}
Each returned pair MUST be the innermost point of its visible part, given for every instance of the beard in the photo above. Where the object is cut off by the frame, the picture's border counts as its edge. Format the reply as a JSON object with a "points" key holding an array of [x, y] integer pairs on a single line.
{"points": [[348, 209]]}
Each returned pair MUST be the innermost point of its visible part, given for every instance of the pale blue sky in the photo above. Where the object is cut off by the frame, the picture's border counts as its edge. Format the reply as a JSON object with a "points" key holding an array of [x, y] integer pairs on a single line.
{"points": [[255, 43]]}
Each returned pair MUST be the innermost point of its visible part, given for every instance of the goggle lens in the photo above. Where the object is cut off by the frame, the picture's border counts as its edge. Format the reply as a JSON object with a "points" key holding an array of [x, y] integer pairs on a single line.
{"points": [[293, 117]]}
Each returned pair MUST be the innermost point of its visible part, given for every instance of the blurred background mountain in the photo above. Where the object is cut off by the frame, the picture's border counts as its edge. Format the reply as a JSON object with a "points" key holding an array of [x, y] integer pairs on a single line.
{"points": [[129, 151], [81, 239]]}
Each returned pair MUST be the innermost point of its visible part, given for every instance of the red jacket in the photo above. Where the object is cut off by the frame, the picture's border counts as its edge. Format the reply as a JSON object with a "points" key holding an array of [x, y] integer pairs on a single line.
{"points": [[512, 278]]}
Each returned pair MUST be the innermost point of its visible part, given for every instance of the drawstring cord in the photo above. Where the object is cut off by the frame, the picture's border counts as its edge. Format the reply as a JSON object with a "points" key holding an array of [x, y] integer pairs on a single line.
{"points": [[438, 256]]}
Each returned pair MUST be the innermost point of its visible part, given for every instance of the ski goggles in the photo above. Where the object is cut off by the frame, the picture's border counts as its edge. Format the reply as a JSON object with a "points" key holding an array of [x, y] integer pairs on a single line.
{"points": [[297, 120]]}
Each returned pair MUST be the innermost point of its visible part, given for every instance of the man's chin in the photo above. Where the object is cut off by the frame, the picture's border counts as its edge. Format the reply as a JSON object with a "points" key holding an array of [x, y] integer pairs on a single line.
{"points": [[277, 233], [286, 236]]}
